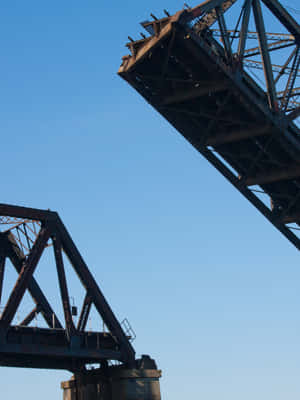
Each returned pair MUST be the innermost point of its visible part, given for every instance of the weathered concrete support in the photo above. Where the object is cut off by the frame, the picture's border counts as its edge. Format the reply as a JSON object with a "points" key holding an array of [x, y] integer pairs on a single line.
{"points": [[116, 383]]}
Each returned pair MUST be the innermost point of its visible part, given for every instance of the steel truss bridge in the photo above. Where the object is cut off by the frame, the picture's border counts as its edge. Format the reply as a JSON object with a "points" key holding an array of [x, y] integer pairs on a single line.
{"points": [[26, 234], [225, 74]]}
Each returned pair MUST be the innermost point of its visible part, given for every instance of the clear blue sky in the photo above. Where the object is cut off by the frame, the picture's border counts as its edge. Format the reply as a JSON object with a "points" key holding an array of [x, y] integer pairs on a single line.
{"points": [[210, 287]]}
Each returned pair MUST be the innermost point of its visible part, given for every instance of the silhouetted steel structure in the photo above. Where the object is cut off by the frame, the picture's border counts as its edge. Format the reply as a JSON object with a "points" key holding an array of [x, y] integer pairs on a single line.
{"points": [[25, 234], [194, 70]]}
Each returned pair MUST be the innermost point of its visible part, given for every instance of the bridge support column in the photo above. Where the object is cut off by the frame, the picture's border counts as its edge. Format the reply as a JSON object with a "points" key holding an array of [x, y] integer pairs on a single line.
{"points": [[116, 383]]}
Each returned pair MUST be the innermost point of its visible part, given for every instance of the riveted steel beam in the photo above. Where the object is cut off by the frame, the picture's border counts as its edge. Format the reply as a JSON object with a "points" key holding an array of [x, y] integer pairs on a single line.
{"points": [[238, 135], [275, 175], [195, 92]]}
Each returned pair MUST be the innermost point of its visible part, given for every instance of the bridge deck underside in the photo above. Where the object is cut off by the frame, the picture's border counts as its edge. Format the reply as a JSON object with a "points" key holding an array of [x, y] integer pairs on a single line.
{"points": [[223, 113]]}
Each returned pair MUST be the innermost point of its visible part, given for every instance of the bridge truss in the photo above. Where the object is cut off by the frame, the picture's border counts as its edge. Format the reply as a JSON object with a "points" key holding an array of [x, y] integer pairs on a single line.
{"points": [[225, 74], [25, 235]]}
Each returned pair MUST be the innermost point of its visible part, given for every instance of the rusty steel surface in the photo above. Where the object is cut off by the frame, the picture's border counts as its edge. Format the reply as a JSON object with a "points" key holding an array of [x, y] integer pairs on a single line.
{"points": [[61, 345], [197, 72]]}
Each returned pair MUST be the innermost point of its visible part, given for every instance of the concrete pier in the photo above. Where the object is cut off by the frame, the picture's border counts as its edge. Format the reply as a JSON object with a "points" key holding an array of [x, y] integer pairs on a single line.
{"points": [[116, 383]]}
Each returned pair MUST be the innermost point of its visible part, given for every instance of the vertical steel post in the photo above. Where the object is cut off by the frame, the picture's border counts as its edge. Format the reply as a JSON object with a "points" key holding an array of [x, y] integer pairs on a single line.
{"points": [[264, 52], [244, 29]]}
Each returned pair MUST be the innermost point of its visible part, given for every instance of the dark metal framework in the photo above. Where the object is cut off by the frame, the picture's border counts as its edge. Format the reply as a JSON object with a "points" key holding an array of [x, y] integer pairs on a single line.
{"points": [[194, 70], [60, 345]]}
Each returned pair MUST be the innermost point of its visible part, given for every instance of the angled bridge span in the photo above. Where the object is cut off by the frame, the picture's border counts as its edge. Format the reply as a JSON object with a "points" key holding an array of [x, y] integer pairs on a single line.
{"points": [[197, 72]]}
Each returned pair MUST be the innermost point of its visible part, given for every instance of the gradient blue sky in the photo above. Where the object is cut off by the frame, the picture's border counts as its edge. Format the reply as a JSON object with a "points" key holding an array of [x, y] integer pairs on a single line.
{"points": [[210, 287]]}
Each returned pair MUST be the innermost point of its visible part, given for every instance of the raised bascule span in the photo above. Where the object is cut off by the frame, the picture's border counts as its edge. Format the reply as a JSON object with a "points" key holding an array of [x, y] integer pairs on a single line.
{"points": [[225, 75]]}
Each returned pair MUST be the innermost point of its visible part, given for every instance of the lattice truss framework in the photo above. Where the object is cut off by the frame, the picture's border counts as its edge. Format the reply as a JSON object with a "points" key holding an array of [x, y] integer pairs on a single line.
{"points": [[25, 235], [269, 47], [225, 74]]}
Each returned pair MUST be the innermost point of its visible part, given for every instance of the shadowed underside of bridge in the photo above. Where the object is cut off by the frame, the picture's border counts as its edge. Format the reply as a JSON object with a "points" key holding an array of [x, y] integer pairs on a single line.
{"points": [[25, 235], [198, 78]]}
